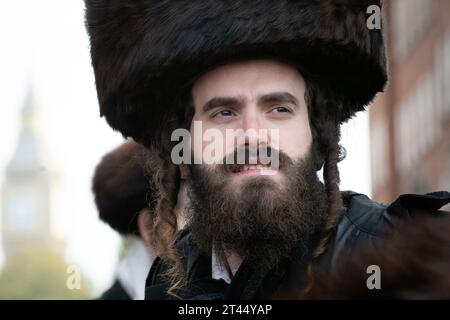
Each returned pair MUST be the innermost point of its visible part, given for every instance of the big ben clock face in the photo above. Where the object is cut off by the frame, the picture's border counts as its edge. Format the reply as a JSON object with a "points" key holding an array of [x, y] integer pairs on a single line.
{"points": [[21, 213]]}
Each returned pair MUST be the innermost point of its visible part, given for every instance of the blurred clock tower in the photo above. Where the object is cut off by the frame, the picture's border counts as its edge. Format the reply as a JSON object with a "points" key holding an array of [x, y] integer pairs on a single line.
{"points": [[26, 190]]}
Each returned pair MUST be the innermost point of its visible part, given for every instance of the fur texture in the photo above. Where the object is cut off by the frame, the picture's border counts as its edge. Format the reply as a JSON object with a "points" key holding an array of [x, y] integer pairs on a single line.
{"points": [[414, 264], [145, 53], [121, 188]]}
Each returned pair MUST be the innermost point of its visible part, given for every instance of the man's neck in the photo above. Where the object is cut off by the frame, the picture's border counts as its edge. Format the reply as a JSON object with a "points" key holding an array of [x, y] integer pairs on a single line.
{"points": [[227, 272], [234, 261]]}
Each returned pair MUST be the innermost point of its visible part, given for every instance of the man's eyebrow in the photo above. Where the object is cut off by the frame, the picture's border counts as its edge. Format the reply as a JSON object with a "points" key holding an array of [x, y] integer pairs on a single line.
{"points": [[222, 102], [278, 97]]}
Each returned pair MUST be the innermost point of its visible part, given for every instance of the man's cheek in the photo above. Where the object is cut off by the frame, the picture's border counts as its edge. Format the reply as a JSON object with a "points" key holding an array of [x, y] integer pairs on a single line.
{"points": [[295, 150]]}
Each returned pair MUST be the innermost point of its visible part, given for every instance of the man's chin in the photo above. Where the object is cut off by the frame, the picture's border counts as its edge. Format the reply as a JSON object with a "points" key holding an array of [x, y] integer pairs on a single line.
{"points": [[260, 186]]}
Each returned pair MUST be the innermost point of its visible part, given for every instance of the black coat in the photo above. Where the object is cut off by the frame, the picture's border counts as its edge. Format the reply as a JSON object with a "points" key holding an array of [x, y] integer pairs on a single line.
{"points": [[115, 292], [363, 223]]}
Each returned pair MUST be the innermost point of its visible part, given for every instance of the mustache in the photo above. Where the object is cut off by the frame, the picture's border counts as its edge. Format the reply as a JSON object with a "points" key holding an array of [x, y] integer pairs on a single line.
{"points": [[259, 155]]}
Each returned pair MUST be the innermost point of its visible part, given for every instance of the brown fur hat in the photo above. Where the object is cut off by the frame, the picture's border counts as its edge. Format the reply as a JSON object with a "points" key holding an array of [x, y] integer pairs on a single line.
{"points": [[145, 53], [121, 187]]}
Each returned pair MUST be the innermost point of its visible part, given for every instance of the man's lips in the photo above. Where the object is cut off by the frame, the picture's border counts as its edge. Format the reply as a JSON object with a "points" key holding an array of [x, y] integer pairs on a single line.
{"points": [[252, 169], [266, 172]]}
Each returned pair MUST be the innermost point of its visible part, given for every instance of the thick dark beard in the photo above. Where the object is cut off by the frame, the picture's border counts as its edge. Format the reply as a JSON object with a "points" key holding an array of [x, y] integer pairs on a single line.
{"points": [[263, 222]]}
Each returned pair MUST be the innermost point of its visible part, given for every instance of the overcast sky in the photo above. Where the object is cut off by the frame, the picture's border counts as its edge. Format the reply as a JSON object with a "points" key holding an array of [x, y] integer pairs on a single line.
{"points": [[44, 46]]}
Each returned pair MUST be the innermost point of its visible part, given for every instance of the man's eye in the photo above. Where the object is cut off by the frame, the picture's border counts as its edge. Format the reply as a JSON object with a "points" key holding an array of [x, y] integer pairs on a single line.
{"points": [[279, 110], [223, 113]]}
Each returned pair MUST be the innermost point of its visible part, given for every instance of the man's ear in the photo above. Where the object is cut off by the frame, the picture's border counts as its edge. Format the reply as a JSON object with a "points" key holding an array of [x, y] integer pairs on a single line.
{"points": [[143, 222], [184, 171]]}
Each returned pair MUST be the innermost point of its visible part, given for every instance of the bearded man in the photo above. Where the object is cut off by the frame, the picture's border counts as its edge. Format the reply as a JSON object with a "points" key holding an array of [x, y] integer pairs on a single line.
{"points": [[296, 69]]}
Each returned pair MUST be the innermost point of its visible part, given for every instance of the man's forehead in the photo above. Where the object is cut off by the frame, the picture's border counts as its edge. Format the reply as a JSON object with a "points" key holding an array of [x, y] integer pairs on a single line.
{"points": [[247, 80]]}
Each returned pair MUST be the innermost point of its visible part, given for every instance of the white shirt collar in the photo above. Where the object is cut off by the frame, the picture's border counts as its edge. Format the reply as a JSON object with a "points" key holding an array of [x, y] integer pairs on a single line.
{"points": [[133, 270], [218, 271]]}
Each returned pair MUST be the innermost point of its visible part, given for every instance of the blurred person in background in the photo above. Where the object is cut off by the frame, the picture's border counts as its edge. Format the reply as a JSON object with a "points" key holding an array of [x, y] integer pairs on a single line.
{"points": [[125, 200]]}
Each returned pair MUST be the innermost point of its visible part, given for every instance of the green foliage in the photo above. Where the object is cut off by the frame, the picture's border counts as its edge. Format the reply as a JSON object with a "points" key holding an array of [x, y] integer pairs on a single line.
{"points": [[39, 273]]}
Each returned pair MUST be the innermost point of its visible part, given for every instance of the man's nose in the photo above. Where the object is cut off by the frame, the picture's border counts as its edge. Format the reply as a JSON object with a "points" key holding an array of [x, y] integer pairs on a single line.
{"points": [[253, 126]]}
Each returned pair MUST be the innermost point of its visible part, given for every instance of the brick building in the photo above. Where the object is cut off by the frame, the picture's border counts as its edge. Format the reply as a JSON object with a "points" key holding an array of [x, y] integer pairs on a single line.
{"points": [[410, 122]]}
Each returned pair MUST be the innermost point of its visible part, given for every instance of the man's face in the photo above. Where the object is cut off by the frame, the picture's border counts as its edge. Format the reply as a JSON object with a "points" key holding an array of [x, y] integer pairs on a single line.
{"points": [[265, 99], [241, 207]]}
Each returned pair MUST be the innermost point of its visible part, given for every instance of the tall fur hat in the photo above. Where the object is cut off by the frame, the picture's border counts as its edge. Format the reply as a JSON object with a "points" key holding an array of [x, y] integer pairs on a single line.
{"points": [[146, 52], [121, 187]]}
